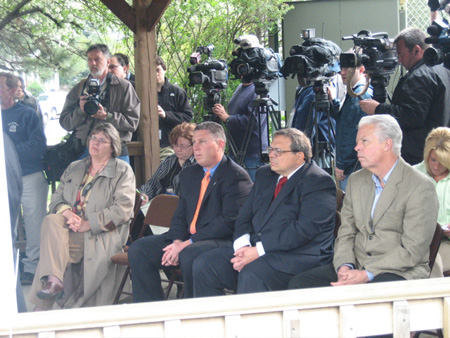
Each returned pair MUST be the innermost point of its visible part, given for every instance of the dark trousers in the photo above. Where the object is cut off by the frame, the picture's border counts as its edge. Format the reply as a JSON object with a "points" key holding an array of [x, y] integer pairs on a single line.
{"points": [[145, 257], [213, 272], [325, 274]]}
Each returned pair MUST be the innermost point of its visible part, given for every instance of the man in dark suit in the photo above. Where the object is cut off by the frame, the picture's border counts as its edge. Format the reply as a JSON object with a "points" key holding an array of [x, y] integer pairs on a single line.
{"points": [[199, 224], [285, 226]]}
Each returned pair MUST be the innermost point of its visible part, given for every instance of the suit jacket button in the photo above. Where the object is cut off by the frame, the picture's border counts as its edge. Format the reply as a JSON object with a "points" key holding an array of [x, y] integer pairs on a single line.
{"points": [[370, 237], [259, 234], [369, 254]]}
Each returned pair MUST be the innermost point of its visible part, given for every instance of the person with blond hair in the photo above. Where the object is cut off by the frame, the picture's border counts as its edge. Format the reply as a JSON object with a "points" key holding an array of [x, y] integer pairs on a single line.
{"points": [[436, 165]]}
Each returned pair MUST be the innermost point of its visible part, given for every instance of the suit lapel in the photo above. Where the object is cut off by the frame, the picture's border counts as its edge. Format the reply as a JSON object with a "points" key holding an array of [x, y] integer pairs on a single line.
{"points": [[367, 195], [285, 191], [389, 192]]}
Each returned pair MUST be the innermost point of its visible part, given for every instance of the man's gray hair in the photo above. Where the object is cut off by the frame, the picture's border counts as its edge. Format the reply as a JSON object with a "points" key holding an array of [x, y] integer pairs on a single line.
{"points": [[101, 48], [387, 127], [412, 37], [299, 141], [216, 130]]}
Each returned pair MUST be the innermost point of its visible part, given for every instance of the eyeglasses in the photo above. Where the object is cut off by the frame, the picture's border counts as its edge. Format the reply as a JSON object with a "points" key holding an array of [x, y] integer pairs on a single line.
{"points": [[182, 147], [99, 140], [277, 151], [113, 66]]}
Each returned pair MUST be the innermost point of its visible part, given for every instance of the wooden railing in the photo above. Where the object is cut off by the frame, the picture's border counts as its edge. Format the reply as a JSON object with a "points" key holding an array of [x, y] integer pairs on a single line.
{"points": [[349, 311]]}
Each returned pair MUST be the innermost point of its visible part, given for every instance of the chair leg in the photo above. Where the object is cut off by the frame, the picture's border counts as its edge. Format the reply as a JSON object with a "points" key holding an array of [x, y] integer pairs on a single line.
{"points": [[169, 287], [122, 284]]}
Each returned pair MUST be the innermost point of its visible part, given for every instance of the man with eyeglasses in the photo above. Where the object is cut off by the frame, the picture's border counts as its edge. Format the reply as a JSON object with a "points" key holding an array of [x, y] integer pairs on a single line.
{"points": [[285, 226], [118, 102]]}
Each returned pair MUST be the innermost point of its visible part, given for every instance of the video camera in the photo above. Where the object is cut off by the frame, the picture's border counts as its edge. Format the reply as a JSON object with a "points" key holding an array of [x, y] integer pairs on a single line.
{"points": [[379, 57], [93, 100], [254, 63], [212, 74], [440, 52], [314, 60]]}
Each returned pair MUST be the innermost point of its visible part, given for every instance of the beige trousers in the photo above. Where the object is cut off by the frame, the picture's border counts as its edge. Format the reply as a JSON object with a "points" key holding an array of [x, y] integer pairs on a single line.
{"points": [[59, 248], [442, 262]]}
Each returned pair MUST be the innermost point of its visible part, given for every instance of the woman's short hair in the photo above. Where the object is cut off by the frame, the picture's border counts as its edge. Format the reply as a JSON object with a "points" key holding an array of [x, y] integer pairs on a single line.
{"points": [[110, 132], [439, 141], [185, 130], [386, 127], [299, 141]]}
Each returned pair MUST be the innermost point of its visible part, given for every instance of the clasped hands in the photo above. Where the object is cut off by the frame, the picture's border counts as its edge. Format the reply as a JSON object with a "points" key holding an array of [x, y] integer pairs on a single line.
{"points": [[172, 251], [244, 256], [75, 222], [348, 276]]}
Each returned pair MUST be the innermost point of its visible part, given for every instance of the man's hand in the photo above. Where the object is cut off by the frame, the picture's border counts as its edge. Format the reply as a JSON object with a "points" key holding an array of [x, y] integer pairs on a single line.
{"points": [[83, 227], [172, 251], [244, 256], [219, 110], [339, 174], [347, 276], [161, 112], [369, 106], [101, 114], [83, 100]]}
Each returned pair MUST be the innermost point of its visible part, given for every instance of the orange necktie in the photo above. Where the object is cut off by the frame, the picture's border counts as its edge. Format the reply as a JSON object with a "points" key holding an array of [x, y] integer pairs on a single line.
{"points": [[204, 185]]}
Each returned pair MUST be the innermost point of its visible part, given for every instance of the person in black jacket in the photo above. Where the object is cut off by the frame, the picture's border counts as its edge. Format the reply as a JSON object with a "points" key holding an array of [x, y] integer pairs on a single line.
{"points": [[173, 107], [421, 100]]}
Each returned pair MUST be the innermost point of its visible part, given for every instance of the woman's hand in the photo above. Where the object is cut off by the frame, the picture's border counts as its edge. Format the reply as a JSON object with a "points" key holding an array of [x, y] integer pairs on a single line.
{"points": [[72, 219], [144, 198]]}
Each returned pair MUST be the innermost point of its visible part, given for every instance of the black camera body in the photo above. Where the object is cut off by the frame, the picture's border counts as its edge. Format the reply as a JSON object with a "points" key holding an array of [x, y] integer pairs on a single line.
{"points": [[93, 100], [212, 74], [439, 37], [315, 59], [379, 55]]}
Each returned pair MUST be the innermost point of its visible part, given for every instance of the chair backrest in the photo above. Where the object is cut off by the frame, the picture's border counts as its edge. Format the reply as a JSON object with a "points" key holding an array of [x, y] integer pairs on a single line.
{"points": [[434, 245], [340, 194], [136, 210], [161, 210], [337, 225]]}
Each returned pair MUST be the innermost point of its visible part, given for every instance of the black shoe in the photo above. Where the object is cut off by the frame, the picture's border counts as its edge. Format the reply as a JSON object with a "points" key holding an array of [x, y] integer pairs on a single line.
{"points": [[26, 278]]}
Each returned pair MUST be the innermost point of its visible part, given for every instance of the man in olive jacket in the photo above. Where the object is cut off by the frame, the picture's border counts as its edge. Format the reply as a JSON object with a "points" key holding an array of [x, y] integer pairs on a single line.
{"points": [[388, 218], [119, 104]]}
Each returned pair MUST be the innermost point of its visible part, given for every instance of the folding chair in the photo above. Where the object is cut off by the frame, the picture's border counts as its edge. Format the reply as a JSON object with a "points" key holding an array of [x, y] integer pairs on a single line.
{"points": [[159, 213]]}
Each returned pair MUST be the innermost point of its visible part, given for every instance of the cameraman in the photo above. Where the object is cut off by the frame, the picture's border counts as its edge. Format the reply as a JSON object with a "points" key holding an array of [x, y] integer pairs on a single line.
{"points": [[119, 104], [173, 108], [420, 101], [240, 109]]}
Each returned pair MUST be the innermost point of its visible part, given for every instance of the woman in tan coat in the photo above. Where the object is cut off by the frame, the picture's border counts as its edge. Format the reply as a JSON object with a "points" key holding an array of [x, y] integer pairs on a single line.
{"points": [[90, 213]]}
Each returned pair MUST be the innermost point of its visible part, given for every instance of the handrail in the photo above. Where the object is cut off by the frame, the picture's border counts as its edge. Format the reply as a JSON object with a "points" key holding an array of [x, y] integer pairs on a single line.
{"points": [[391, 305]]}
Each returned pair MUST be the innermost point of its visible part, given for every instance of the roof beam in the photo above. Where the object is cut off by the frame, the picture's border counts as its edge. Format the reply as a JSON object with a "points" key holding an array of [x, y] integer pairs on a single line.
{"points": [[154, 13], [123, 11]]}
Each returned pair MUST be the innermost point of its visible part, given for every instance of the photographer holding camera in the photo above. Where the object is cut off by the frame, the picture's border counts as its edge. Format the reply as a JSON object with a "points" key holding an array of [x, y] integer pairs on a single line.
{"points": [[419, 102], [101, 97]]}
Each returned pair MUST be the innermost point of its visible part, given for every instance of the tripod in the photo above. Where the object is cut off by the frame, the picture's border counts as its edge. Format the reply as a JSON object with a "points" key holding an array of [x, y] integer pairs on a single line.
{"points": [[262, 112], [323, 151]]}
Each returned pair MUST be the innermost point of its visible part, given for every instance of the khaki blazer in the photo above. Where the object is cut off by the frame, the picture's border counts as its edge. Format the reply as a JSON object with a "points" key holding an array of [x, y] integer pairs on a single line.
{"points": [[397, 240], [109, 210]]}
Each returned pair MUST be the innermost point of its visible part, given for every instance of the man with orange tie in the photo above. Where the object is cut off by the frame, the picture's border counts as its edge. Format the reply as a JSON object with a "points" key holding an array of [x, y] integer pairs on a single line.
{"points": [[211, 194], [285, 226]]}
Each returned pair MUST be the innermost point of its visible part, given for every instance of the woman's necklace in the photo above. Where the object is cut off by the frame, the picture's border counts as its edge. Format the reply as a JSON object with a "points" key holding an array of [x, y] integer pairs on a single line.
{"points": [[91, 169]]}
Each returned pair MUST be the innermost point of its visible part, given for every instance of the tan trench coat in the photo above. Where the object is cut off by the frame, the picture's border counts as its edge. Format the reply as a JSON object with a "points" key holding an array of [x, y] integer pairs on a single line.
{"points": [[109, 210]]}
